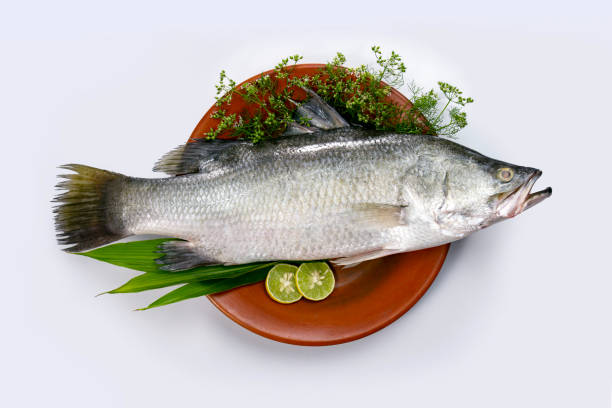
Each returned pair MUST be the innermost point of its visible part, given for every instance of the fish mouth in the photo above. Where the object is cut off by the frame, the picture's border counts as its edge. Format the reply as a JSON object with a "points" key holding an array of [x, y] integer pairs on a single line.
{"points": [[522, 198]]}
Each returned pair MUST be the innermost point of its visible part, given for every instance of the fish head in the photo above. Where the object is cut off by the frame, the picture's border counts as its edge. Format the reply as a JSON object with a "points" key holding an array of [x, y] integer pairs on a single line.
{"points": [[479, 191]]}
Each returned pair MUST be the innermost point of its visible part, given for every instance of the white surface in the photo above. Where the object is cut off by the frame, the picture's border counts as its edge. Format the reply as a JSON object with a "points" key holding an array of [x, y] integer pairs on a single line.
{"points": [[520, 314]]}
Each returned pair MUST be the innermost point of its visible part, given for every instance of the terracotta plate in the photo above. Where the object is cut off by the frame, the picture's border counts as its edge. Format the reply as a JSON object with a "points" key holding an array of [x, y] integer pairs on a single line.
{"points": [[367, 297]]}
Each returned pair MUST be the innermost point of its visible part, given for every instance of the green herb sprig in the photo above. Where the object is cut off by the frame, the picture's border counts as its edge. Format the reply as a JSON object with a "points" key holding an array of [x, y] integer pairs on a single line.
{"points": [[360, 94]]}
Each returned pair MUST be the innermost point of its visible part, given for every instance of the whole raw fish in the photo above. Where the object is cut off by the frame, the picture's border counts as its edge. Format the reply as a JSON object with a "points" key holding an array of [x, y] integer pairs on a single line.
{"points": [[330, 191]]}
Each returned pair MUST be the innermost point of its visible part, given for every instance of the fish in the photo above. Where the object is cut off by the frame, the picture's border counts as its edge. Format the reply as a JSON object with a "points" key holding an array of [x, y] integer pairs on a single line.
{"points": [[328, 191]]}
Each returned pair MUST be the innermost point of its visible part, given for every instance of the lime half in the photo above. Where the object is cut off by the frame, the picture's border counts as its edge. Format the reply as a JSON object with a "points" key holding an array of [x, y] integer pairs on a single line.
{"points": [[315, 280], [280, 284]]}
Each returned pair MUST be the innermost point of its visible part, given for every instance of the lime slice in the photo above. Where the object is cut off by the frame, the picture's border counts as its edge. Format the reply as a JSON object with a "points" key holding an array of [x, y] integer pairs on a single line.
{"points": [[315, 280], [280, 284]]}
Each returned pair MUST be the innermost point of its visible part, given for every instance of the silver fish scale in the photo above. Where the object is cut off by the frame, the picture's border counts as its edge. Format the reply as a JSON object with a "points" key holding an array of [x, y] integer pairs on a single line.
{"points": [[304, 197]]}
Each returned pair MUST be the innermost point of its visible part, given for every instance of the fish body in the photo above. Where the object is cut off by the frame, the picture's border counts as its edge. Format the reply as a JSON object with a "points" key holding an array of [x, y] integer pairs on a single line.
{"points": [[306, 197], [345, 193]]}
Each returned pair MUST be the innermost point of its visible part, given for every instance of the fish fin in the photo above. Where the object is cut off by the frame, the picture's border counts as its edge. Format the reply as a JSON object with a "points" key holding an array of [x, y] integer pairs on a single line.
{"points": [[318, 113], [181, 255], [377, 215], [294, 128], [354, 260], [370, 215], [196, 156], [81, 217]]}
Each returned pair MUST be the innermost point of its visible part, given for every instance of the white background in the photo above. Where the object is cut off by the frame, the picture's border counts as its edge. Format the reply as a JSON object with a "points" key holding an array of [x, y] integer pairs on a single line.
{"points": [[520, 314]]}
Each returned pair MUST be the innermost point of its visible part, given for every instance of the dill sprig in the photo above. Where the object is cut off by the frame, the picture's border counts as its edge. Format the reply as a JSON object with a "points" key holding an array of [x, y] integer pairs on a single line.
{"points": [[359, 93]]}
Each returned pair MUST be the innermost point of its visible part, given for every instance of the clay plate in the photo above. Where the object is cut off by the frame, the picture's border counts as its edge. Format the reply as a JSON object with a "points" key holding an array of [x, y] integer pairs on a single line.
{"points": [[367, 297]]}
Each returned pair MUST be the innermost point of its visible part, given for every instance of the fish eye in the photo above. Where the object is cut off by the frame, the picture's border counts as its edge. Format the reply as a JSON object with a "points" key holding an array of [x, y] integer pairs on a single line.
{"points": [[505, 174]]}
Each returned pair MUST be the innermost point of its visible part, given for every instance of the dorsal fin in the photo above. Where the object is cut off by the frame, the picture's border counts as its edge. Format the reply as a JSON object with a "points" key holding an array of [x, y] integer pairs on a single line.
{"points": [[319, 114], [295, 128], [194, 157]]}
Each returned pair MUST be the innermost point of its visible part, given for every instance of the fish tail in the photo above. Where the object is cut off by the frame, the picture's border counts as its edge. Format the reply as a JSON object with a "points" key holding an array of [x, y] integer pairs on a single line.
{"points": [[84, 216]]}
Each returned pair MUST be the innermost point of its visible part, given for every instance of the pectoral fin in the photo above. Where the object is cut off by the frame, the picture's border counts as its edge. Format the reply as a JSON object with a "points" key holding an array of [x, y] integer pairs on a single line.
{"points": [[374, 216], [371, 215]]}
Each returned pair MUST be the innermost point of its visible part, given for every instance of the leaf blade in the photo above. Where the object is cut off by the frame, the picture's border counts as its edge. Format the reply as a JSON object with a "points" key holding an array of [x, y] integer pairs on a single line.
{"points": [[154, 280], [197, 289], [137, 255]]}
